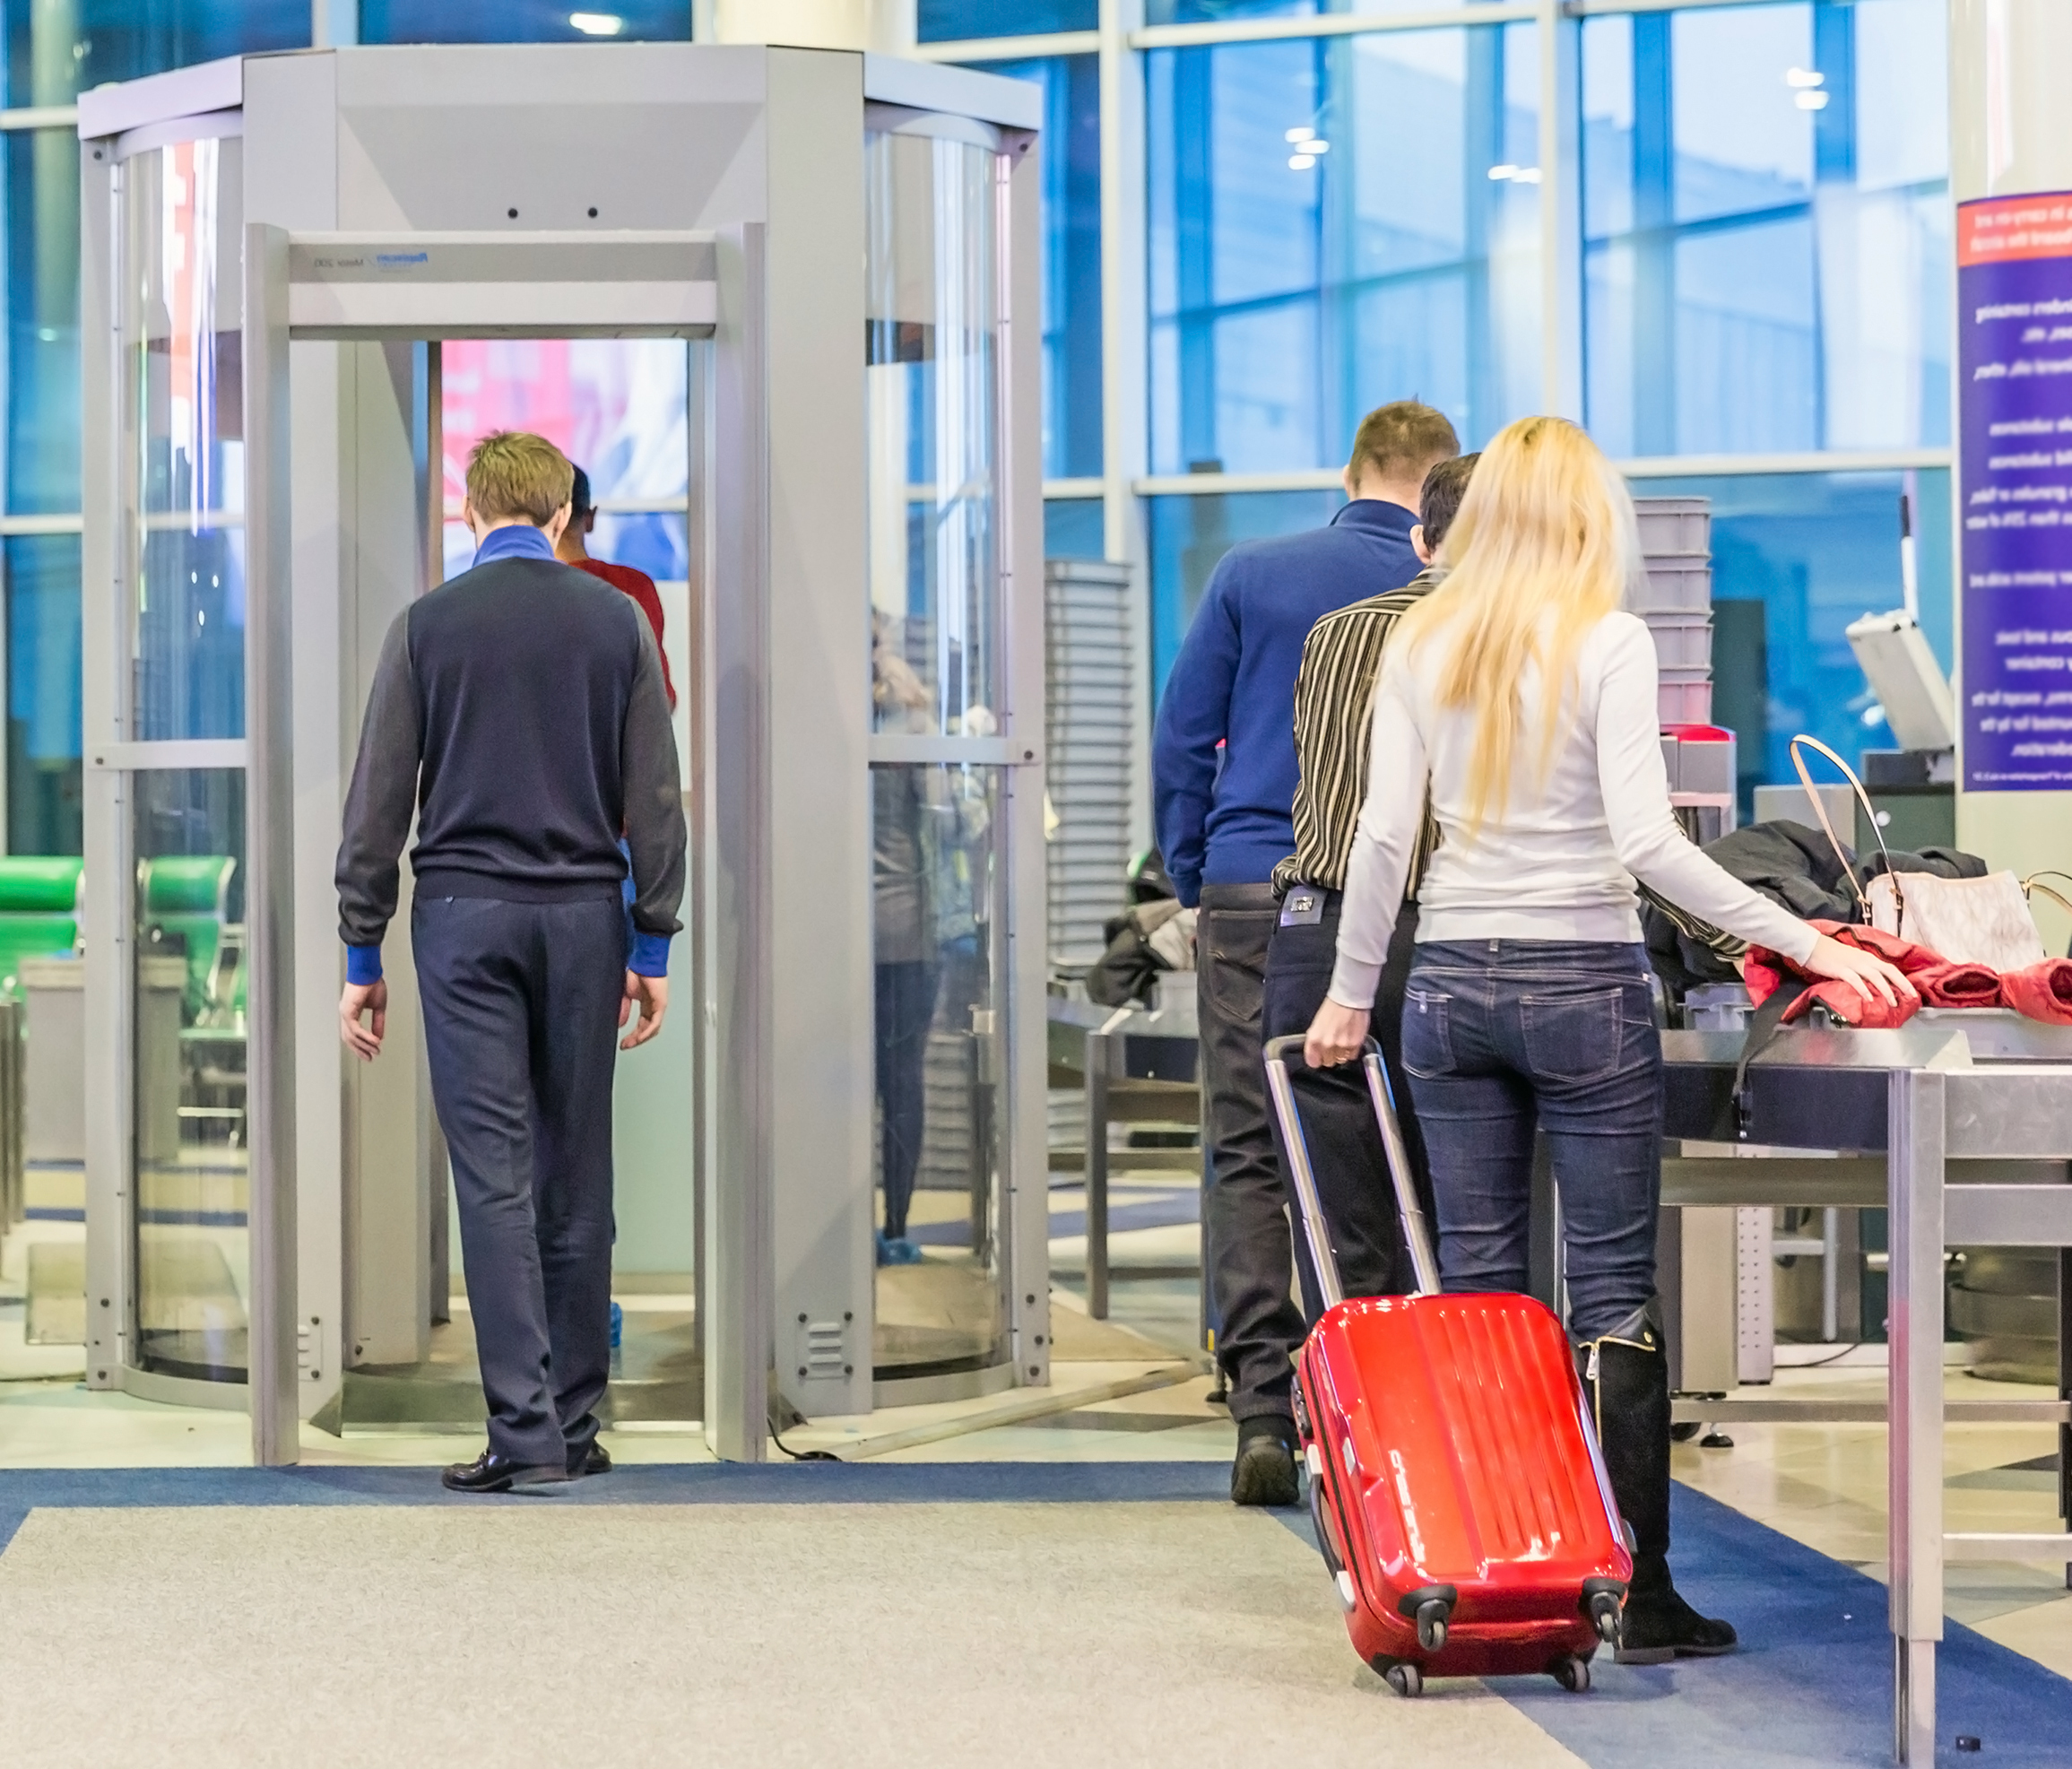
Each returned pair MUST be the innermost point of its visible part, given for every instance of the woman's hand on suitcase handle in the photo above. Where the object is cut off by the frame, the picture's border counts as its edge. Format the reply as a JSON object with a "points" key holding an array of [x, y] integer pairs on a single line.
{"points": [[1338, 1033], [369, 998], [1865, 971], [652, 992]]}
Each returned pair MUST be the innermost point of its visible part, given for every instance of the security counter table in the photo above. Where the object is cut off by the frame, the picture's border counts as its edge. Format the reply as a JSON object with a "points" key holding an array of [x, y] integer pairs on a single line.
{"points": [[1968, 1118], [1137, 1066]]}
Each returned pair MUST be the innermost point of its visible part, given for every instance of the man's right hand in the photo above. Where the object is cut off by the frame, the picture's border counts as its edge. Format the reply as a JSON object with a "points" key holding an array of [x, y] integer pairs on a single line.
{"points": [[371, 999], [651, 995]]}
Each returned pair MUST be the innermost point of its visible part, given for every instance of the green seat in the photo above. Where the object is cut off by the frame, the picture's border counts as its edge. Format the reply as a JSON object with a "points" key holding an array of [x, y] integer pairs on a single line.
{"points": [[188, 895], [38, 911]]}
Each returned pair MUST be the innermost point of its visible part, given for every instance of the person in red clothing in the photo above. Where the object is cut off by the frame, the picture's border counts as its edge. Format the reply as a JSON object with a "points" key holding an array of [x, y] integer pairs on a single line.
{"points": [[638, 585]]}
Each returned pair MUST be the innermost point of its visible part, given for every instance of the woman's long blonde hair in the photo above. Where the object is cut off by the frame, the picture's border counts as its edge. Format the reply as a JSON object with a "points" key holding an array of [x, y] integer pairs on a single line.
{"points": [[1544, 546]]}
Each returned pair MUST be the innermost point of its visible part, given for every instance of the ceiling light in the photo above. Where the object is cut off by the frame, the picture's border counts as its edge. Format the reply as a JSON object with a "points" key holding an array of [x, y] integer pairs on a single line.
{"points": [[1528, 175], [1812, 101], [1505, 171], [1803, 77], [597, 24], [1295, 135], [1301, 162], [1314, 146]]}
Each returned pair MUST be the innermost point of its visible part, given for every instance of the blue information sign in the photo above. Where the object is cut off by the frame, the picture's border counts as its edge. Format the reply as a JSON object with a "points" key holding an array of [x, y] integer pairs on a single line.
{"points": [[2015, 411]]}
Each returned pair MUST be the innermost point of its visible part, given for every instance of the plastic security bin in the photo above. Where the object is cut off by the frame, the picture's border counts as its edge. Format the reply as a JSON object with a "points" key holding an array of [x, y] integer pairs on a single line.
{"points": [[1685, 696], [1674, 524], [1681, 583], [1682, 641]]}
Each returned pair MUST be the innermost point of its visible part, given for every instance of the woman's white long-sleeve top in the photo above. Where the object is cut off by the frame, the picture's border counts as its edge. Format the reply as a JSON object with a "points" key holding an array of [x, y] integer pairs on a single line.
{"points": [[1557, 860]]}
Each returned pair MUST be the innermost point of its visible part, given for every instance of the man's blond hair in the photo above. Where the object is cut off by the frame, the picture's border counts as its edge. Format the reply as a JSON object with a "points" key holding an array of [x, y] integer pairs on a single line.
{"points": [[514, 473]]}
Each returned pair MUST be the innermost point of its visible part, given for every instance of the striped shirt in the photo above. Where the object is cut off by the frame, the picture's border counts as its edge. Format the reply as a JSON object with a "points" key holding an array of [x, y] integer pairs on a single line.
{"points": [[1334, 697]]}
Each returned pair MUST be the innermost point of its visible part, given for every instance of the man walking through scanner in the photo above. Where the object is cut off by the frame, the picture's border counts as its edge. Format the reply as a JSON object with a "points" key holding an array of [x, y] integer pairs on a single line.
{"points": [[518, 711]]}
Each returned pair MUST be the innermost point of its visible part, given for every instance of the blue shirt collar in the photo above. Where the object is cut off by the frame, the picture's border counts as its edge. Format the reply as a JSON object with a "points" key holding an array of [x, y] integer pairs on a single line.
{"points": [[520, 540], [1378, 515]]}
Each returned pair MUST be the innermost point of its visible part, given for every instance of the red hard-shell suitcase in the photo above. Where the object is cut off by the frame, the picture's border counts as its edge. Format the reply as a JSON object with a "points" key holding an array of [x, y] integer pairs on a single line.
{"points": [[1454, 1479]]}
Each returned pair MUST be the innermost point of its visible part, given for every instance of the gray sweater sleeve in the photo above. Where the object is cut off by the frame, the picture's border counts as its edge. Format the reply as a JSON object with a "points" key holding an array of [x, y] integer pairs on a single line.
{"points": [[383, 796], [655, 826]]}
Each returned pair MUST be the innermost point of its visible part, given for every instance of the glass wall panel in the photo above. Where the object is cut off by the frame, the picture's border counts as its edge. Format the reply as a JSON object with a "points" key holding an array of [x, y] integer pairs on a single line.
{"points": [[932, 312], [1336, 222], [1765, 213], [523, 22], [1796, 557], [1071, 222], [1074, 528], [188, 1121], [1212, 11], [183, 414], [1188, 536], [43, 693], [41, 291], [57, 48], [952, 21], [939, 977]]}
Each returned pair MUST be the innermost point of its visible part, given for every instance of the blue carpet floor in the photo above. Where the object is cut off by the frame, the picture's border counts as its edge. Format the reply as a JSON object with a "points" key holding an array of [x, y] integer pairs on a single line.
{"points": [[1811, 1686]]}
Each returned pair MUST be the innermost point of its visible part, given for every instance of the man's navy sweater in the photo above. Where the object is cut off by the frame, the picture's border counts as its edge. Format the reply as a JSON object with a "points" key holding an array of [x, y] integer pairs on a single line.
{"points": [[518, 711], [1233, 821]]}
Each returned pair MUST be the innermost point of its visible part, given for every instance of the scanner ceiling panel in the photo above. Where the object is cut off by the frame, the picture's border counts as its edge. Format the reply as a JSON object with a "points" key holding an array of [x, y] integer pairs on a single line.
{"points": [[468, 167]]}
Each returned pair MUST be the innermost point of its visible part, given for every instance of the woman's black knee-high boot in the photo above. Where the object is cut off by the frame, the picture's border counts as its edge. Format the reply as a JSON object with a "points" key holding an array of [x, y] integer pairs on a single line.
{"points": [[1627, 1375]]}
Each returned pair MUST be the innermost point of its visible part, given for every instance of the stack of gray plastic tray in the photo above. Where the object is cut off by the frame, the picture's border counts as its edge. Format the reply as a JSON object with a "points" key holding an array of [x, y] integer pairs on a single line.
{"points": [[1677, 601], [1088, 714]]}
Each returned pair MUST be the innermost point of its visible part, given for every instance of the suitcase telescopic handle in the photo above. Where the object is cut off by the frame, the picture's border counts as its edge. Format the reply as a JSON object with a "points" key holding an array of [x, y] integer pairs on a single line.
{"points": [[1309, 1206]]}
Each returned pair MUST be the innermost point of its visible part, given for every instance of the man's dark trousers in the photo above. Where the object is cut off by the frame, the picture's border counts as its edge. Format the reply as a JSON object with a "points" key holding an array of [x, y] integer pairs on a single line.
{"points": [[1245, 1221], [521, 1016], [1262, 1326]]}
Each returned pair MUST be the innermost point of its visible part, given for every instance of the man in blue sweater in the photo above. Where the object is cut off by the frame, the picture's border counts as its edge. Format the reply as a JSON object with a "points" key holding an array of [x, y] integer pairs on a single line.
{"points": [[518, 715], [1223, 777]]}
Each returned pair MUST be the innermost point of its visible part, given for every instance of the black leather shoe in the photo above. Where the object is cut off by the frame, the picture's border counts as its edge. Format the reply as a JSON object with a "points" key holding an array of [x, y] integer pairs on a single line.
{"points": [[1264, 1470], [1658, 1625], [595, 1459], [492, 1473]]}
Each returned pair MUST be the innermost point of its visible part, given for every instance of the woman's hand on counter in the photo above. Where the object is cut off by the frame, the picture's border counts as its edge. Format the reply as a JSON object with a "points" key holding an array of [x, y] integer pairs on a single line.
{"points": [[1870, 975]]}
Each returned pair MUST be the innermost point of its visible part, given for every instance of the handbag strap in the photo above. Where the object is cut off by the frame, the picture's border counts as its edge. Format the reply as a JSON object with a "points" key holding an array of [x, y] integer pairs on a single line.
{"points": [[2029, 886], [1738, 1115], [1870, 816]]}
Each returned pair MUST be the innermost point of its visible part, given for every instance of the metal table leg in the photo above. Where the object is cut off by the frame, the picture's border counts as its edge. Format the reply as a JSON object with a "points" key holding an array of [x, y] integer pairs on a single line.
{"points": [[1099, 1047], [1915, 1144]]}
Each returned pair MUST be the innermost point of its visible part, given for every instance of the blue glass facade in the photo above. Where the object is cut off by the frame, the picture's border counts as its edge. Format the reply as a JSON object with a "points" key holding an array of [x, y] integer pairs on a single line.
{"points": [[1336, 222], [953, 21], [1767, 261], [519, 20], [1766, 227], [1071, 317]]}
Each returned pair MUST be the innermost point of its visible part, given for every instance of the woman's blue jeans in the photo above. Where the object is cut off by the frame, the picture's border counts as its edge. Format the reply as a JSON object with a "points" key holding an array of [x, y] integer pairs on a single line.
{"points": [[1502, 1035]]}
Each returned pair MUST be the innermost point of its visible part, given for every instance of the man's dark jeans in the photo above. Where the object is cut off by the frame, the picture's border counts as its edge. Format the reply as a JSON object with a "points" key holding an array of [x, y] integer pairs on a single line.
{"points": [[1499, 1034], [521, 1017], [1338, 1119]]}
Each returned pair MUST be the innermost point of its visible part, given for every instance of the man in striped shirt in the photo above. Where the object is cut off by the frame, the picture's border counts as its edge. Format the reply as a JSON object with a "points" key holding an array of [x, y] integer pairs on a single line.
{"points": [[1334, 692]]}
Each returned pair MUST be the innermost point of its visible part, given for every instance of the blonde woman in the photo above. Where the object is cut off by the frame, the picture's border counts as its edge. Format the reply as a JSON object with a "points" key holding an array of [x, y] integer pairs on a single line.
{"points": [[1525, 695]]}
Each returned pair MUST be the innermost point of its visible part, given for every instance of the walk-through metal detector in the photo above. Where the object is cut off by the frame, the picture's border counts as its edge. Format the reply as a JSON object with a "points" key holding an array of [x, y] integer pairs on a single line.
{"points": [[847, 245]]}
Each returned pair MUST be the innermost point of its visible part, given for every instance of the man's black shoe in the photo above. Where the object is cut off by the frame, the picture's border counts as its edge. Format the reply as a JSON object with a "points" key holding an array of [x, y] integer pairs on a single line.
{"points": [[595, 1459], [1657, 1625], [1264, 1470], [492, 1473]]}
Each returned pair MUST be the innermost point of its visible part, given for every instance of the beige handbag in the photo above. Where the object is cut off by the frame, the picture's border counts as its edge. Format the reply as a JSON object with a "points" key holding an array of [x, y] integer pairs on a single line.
{"points": [[1967, 921]]}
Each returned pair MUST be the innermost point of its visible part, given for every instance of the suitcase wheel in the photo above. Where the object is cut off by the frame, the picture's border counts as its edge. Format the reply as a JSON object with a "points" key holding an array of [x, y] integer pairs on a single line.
{"points": [[1601, 1599], [1405, 1680], [1431, 1625], [1573, 1675]]}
